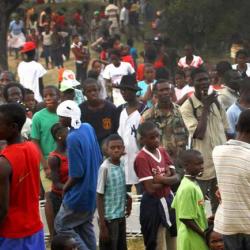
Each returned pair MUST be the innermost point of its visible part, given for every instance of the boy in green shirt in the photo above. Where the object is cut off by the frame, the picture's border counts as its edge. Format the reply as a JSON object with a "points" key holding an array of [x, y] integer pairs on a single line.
{"points": [[43, 121], [189, 205]]}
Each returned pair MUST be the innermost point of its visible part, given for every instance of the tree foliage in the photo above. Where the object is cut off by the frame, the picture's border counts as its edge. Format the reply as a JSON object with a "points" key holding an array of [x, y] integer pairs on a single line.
{"points": [[205, 23]]}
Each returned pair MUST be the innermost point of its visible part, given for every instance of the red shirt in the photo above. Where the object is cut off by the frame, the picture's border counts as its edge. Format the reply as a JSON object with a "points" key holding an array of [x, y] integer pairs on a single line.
{"points": [[23, 218], [63, 172], [129, 59], [147, 166], [140, 72]]}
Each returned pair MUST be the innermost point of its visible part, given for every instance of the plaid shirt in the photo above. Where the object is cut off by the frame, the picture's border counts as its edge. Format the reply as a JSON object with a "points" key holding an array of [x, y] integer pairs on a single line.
{"points": [[112, 184], [174, 135]]}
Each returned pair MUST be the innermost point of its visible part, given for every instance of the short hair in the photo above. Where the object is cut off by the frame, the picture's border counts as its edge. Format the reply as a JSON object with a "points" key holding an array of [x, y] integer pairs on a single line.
{"points": [[92, 74], [59, 241], [12, 85], [145, 127], [160, 81], [148, 65], [150, 54], [241, 52], [222, 67], [113, 137], [180, 72], [187, 156], [115, 52], [54, 88], [130, 42], [243, 125], [162, 73], [197, 71], [15, 113], [227, 77], [57, 127], [28, 92], [74, 36], [90, 81]]}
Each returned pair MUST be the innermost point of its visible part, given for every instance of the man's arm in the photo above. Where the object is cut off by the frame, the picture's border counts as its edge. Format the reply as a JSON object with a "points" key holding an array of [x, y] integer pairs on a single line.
{"points": [[5, 173]]}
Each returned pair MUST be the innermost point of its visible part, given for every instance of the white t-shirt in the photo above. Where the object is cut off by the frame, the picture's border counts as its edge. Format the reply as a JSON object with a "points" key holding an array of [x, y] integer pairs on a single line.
{"points": [[127, 130], [124, 16], [115, 74], [234, 66], [29, 74], [47, 41]]}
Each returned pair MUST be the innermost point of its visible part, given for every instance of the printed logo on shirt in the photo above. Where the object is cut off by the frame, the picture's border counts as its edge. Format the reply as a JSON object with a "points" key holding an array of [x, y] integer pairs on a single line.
{"points": [[106, 123], [201, 202]]}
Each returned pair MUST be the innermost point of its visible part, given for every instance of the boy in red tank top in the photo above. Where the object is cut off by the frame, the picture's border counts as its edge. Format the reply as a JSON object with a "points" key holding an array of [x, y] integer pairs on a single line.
{"points": [[19, 185]]}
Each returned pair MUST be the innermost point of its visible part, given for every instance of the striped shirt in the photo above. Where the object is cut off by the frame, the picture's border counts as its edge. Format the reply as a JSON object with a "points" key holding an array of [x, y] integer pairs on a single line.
{"points": [[232, 167]]}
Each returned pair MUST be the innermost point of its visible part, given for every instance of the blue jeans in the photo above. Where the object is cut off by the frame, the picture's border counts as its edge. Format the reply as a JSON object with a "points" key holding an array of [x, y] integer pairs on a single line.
{"points": [[77, 225], [237, 242]]}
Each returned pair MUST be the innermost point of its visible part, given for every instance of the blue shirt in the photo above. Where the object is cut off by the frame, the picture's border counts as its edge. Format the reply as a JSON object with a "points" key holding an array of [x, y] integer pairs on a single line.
{"points": [[16, 28], [144, 87], [84, 158], [233, 114]]}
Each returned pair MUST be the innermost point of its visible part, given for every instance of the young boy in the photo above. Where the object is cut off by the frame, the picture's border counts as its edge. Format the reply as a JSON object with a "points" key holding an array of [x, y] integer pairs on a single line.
{"points": [[101, 114], [21, 226], [128, 123], [189, 204], [43, 121], [146, 93], [82, 57], [156, 173], [111, 197]]}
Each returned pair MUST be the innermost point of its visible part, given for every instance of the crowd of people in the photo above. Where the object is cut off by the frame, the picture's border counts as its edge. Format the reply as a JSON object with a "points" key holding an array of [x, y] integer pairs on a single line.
{"points": [[174, 130]]}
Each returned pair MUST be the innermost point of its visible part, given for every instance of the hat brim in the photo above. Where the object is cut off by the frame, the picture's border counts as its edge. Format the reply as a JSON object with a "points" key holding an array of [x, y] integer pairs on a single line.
{"points": [[135, 88], [26, 50]]}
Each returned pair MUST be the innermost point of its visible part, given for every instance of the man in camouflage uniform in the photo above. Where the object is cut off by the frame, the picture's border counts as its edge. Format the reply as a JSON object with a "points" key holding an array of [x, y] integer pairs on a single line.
{"points": [[174, 135]]}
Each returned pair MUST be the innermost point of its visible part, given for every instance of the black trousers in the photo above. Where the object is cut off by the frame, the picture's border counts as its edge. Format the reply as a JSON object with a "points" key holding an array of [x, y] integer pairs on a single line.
{"points": [[117, 234]]}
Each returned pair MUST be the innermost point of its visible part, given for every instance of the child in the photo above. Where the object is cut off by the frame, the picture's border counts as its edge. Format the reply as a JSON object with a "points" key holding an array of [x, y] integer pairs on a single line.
{"points": [[29, 102], [40, 132], [21, 226], [189, 204], [111, 197], [146, 94], [129, 121], [214, 240], [126, 57], [58, 164], [101, 114], [47, 42], [182, 89], [15, 93], [154, 169], [98, 68], [82, 58], [63, 242]]}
